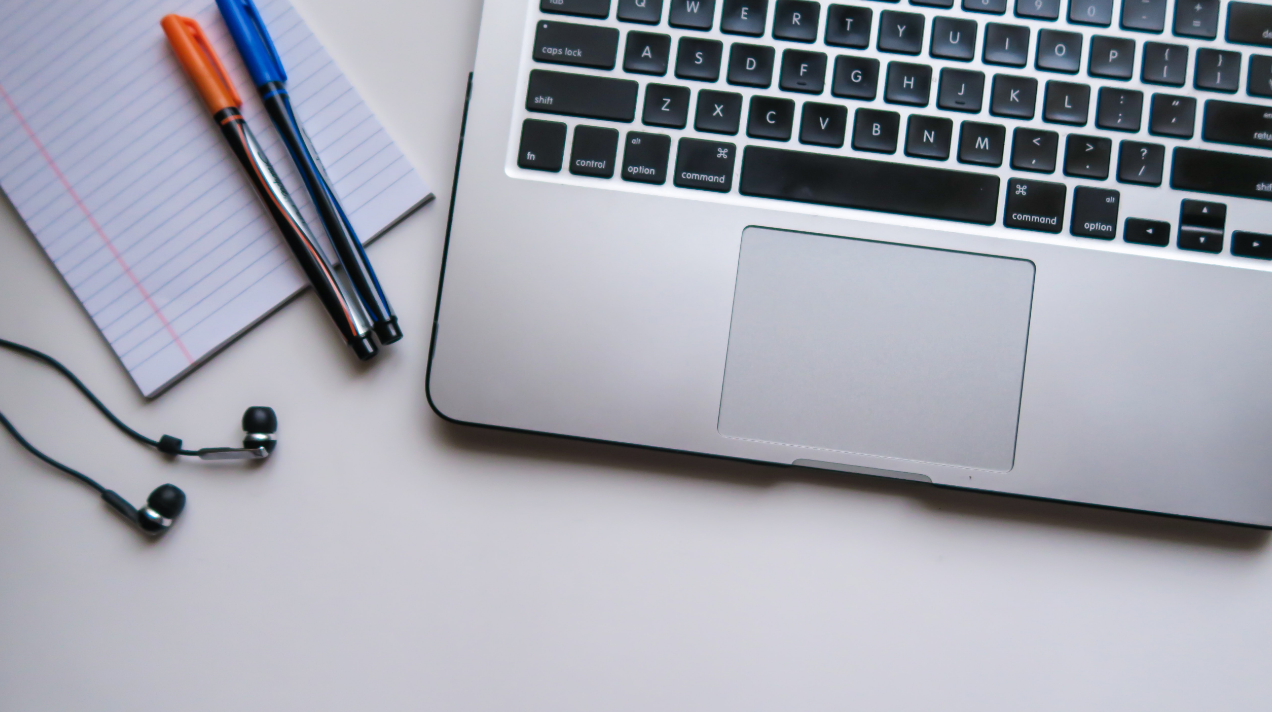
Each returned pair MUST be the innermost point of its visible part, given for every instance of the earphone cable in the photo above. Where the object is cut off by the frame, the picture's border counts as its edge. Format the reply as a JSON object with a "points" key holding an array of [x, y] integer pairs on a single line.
{"points": [[35, 451], [41, 356]]}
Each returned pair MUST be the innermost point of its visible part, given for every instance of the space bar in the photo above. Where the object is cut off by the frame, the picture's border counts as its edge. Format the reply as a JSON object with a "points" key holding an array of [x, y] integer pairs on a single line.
{"points": [[869, 185]]}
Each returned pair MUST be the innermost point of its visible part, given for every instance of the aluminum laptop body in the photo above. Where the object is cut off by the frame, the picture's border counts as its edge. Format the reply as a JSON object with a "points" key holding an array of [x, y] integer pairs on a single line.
{"points": [[847, 236]]}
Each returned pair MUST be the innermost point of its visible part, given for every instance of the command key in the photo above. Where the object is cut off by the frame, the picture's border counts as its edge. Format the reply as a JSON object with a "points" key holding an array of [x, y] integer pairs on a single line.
{"points": [[1035, 205], [705, 165]]}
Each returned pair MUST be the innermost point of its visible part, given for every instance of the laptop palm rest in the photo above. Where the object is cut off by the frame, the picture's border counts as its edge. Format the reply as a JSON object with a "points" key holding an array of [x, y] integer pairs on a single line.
{"points": [[876, 348]]}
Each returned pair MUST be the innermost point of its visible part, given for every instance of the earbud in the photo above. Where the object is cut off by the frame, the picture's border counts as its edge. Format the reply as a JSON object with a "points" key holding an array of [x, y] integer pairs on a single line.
{"points": [[260, 424], [163, 506]]}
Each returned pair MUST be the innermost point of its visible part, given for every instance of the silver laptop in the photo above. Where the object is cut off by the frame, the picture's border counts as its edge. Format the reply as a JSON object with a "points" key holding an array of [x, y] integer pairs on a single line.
{"points": [[1019, 246]]}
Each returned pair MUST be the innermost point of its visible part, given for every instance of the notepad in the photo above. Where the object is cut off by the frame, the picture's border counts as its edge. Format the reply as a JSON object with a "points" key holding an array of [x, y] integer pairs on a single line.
{"points": [[112, 160]]}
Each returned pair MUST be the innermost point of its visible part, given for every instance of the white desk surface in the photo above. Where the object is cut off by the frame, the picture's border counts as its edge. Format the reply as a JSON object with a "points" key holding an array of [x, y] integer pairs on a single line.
{"points": [[386, 560]]}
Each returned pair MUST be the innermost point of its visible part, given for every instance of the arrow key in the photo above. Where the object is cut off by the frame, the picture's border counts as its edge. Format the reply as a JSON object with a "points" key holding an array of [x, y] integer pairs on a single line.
{"points": [[1147, 232], [1087, 156]]}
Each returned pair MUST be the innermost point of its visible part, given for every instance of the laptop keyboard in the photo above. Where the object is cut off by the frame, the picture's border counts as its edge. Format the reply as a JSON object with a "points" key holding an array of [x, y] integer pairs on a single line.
{"points": [[1142, 121]]}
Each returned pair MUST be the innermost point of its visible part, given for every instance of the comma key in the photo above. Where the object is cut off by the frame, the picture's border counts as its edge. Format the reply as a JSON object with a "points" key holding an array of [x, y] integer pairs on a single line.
{"points": [[1035, 205], [705, 165]]}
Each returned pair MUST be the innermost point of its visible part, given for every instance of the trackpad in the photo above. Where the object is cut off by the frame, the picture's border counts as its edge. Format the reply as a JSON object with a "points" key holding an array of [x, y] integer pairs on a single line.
{"points": [[877, 348]]}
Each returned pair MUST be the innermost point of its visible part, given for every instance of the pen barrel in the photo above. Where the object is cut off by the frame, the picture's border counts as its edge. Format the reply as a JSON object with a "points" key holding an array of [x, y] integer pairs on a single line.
{"points": [[344, 308], [348, 247]]}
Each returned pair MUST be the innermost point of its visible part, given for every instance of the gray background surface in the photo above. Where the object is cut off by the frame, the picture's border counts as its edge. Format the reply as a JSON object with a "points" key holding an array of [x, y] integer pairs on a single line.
{"points": [[388, 560]]}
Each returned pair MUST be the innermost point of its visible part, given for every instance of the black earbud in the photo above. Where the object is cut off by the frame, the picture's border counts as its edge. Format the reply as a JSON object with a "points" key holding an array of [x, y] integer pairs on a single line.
{"points": [[166, 502], [163, 506]]}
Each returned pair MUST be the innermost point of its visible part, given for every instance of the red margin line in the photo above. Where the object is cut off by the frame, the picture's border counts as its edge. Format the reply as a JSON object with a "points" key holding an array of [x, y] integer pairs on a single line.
{"points": [[96, 227]]}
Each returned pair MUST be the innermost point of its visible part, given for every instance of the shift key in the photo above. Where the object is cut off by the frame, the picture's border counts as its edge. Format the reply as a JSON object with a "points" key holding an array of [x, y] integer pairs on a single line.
{"points": [[582, 95], [1238, 124]]}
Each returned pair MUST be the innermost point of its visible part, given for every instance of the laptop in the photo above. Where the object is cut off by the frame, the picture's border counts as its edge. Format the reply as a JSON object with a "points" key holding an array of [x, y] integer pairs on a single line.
{"points": [[1018, 246]]}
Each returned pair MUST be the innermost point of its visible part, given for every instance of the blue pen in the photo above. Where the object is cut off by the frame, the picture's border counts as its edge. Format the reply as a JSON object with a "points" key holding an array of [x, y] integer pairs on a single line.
{"points": [[261, 58]]}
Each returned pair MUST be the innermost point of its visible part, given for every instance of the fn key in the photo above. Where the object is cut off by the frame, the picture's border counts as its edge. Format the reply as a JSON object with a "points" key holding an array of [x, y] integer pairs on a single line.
{"points": [[542, 145]]}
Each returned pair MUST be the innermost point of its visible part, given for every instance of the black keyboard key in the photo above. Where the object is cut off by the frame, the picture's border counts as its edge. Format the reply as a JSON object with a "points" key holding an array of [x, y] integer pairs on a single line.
{"points": [[1112, 58], [1248, 23], [1014, 96], [855, 78], [542, 145], [823, 124], [1172, 115], [1087, 156], [933, 3], [1197, 240], [1006, 44], [996, 7], [796, 20], [645, 156], [718, 112], [1144, 15], [1164, 64], [1038, 9], [1140, 163], [953, 39], [1252, 244], [803, 71], [1034, 150], [1066, 103], [580, 45], [1034, 205], [692, 14], [750, 65], [1217, 70], [1146, 232], [1094, 212], [876, 131], [770, 118], [981, 144], [961, 90], [1221, 173], [744, 17], [1119, 109], [908, 84], [1203, 214], [848, 26], [582, 95], [705, 165], [666, 105], [1238, 124], [928, 137], [1091, 12], [1200, 18], [647, 53], [900, 32], [646, 12], [582, 8], [1059, 51], [865, 184], [594, 151], [1259, 78], [698, 59]]}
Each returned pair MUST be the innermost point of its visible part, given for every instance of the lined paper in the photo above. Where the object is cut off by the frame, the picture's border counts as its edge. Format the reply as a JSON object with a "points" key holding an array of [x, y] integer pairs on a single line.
{"points": [[112, 160]]}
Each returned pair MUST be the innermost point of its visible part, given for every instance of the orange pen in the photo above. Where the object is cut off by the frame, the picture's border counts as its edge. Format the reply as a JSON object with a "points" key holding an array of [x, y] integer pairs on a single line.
{"points": [[204, 68]]}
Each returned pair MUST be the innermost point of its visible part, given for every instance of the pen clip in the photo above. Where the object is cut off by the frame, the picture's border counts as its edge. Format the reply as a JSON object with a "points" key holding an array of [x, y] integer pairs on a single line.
{"points": [[201, 41], [250, 8]]}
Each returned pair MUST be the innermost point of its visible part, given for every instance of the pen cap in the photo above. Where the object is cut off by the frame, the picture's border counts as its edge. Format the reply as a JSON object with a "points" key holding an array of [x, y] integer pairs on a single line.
{"points": [[200, 62], [253, 41]]}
